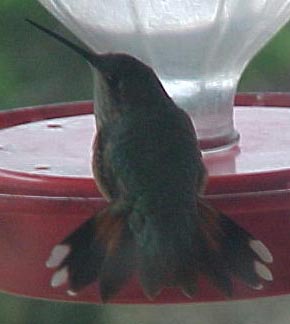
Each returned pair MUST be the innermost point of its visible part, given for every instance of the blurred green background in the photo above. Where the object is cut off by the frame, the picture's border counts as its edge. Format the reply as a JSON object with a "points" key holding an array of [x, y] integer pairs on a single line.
{"points": [[35, 70]]}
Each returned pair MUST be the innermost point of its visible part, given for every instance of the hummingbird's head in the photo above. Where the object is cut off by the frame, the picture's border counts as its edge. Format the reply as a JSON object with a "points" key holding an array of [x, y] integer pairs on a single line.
{"points": [[123, 83], [128, 82]]}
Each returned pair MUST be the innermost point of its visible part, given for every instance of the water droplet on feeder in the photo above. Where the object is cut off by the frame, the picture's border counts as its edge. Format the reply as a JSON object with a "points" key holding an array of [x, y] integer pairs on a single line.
{"points": [[42, 167], [54, 125]]}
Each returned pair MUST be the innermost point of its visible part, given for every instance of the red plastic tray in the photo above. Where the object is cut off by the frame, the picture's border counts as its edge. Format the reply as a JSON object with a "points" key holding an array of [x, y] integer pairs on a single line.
{"points": [[46, 190]]}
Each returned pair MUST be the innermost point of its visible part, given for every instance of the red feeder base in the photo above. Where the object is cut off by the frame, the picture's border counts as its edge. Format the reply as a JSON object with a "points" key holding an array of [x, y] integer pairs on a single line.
{"points": [[47, 190]]}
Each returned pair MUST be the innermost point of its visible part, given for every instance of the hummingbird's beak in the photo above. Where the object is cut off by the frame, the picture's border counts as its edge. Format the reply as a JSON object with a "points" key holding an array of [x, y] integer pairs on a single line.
{"points": [[104, 101], [92, 58]]}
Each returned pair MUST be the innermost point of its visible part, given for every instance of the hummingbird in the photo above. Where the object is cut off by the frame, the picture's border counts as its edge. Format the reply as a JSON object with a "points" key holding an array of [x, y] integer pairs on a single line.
{"points": [[148, 166]]}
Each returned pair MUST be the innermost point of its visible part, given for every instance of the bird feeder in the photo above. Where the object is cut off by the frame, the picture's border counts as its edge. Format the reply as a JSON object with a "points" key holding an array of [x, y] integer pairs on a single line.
{"points": [[199, 50]]}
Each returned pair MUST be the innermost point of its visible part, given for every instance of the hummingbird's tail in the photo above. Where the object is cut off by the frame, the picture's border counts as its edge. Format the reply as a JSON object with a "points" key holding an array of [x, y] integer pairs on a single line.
{"points": [[102, 248], [233, 251], [107, 248], [175, 251]]}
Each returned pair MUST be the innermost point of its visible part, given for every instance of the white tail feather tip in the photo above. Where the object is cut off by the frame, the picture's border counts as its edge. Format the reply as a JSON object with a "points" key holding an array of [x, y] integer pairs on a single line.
{"points": [[59, 278], [261, 250], [71, 293], [58, 254], [258, 287], [186, 294], [263, 271]]}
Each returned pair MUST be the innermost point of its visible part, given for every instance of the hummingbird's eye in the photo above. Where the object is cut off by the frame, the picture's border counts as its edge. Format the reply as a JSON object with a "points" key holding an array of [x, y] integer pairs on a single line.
{"points": [[113, 81]]}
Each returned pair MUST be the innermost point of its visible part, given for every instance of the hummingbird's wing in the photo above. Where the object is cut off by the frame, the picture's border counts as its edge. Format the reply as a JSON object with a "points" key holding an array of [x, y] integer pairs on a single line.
{"points": [[103, 175]]}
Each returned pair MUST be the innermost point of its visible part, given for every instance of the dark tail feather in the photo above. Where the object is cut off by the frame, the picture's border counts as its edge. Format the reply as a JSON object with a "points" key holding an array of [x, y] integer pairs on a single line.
{"points": [[102, 248], [232, 251], [157, 273], [165, 250], [152, 275], [118, 266], [78, 258], [174, 255]]}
